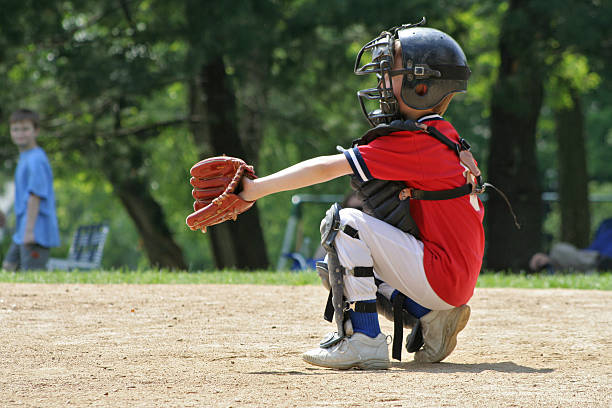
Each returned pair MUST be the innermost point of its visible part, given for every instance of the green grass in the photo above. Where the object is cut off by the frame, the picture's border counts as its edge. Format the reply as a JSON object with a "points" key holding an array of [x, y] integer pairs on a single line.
{"points": [[601, 281], [156, 276]]}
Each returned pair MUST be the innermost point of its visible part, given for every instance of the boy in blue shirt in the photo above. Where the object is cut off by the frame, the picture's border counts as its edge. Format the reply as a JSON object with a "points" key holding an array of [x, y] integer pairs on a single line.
{"points": [[36, 222]]}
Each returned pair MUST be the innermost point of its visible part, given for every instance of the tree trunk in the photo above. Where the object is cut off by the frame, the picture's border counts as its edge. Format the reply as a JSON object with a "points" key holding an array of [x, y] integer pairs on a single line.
{"points": [[148, 217], [573, 174], [515, 107], [240, 243], [130, 186]]}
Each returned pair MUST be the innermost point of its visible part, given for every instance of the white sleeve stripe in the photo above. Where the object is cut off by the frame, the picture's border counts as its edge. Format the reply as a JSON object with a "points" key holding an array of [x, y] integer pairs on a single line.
{"points": [[350, 161], [357, 165], [429, 117]]}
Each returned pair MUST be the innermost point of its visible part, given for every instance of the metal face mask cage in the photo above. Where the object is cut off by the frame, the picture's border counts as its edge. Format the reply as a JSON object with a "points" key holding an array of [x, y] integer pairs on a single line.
{"points": [[382, 62]]}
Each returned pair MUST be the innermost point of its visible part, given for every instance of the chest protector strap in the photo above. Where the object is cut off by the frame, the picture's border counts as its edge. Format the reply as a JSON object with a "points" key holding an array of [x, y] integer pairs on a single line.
{"points": [[462, 149]]}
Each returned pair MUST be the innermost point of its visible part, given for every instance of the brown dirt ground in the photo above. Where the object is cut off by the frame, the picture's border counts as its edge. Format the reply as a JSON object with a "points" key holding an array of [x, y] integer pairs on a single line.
{"points": [[240, 346]]}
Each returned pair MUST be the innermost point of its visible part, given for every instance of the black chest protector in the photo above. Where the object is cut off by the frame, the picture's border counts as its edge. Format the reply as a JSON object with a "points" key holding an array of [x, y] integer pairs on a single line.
{"points": [[389, 200], [381, 200]]}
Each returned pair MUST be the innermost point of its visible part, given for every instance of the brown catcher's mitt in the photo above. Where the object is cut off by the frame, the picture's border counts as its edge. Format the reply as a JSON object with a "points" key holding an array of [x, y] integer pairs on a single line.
{"points": [[214, 182]]}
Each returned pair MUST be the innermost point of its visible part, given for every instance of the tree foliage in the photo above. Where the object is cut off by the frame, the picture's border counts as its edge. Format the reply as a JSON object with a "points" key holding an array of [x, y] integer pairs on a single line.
{"points": [[122, 89]]}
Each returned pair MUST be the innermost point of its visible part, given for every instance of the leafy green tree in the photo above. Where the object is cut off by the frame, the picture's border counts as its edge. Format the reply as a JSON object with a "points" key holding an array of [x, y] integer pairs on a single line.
{"points": [[515, 107], [571, 80], [134, 92], [96, 66], [540, 47], [580, 67]]}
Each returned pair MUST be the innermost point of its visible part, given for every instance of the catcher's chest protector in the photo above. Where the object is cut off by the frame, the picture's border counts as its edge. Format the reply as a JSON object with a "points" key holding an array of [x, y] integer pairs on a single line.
{"points": [[381, 200], [381, 197], [388, 200]]}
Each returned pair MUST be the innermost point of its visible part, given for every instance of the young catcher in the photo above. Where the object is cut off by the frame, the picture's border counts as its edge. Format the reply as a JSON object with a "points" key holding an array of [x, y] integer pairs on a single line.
{"points": [[416, 250]]}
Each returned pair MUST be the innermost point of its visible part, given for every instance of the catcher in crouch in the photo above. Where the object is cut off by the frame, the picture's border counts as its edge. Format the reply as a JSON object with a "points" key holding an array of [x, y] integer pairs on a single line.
{"points": [[415, 251]]}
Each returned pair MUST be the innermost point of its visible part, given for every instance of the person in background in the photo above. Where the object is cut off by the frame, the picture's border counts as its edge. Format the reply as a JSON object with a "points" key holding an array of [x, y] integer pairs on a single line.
{"points": [[36, 229], [565, 256]]}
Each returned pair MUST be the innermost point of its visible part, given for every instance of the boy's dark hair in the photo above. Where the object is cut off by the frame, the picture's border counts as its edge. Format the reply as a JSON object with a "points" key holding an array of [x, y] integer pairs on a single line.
{"points": [[25, 114]]}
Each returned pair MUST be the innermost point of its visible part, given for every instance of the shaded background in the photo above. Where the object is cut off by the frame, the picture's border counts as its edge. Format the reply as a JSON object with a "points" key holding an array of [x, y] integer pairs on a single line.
{"points": [[132, 93]]}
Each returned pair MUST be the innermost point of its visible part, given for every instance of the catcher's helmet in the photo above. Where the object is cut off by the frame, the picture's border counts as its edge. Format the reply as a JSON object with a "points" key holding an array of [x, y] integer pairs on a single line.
{"points": [[433, 66]]}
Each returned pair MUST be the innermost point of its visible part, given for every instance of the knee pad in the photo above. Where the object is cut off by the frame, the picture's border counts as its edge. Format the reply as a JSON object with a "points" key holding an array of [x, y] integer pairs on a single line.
{"points": [[323, 274]]}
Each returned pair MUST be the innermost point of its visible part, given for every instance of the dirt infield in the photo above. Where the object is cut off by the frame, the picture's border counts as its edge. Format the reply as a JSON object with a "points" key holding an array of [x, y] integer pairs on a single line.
{"points": [[240, 346]]}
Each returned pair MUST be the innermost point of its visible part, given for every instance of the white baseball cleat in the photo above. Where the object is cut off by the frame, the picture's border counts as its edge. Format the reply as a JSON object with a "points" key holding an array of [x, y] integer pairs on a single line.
{"points": [[440, 329], [358, 351]]}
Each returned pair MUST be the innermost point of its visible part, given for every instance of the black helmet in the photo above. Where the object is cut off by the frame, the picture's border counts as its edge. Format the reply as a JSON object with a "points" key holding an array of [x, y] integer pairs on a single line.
{"points": [[433, 66]]}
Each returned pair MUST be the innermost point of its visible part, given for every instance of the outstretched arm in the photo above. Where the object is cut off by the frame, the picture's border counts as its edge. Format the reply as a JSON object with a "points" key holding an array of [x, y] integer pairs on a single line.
{"points": [[303, 174]]}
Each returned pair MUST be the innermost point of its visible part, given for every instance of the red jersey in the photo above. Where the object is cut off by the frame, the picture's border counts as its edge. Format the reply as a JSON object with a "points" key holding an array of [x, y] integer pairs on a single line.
{"points": [[451, 230]]}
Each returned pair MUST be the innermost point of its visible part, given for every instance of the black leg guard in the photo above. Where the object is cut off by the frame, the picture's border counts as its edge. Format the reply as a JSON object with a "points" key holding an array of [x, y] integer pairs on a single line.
{"points": [[398, 327], [336, 295], [329, 229], [385, 308], [414, 341], [323, 274]]}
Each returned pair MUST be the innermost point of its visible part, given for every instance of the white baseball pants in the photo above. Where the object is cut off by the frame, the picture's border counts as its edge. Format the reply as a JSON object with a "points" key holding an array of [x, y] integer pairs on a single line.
{"points": [[397, 258]]}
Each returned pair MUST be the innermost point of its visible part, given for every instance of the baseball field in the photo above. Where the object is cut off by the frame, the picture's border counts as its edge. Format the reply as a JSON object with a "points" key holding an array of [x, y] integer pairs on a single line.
{"points": [[201, 345]]}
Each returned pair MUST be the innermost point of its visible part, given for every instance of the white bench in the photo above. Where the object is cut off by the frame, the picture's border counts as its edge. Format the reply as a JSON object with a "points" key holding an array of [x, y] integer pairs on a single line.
{"points": [[85, 250]]}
